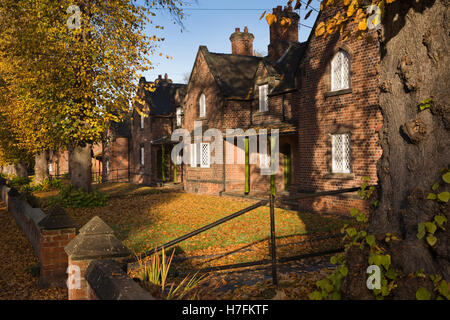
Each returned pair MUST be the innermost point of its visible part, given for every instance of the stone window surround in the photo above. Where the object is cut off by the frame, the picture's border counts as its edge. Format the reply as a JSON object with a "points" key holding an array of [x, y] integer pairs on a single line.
{"points": [[340, 46], [338, 129]]}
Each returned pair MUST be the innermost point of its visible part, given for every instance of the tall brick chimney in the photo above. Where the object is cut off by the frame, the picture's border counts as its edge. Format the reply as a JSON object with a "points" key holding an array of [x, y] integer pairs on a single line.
{"points": [[282, 36], [242, 42]]}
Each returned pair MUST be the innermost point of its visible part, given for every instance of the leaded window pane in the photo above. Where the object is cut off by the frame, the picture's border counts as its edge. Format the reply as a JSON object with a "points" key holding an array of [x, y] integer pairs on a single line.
{"points": [[340, 71]]}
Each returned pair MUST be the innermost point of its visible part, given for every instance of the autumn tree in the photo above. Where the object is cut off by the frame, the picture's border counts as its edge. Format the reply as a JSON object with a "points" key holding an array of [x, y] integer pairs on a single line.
{"points": [[408, 229], [72, 70]]}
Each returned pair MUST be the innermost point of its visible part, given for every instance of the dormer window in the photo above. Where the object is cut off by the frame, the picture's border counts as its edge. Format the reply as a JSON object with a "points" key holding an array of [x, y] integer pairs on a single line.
{"points": [[202, 106], [178, 115], [340, 71], [263, 98]]}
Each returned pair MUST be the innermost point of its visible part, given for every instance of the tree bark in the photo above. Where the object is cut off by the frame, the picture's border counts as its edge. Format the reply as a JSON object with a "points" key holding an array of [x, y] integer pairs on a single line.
{"points": [[416, 143], [41, 167], [80, 163]]}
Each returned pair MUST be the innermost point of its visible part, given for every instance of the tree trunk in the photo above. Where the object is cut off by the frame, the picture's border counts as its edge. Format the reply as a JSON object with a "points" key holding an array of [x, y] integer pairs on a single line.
{"points": [[416, 144], [41, 167], [80, 163], [20, 170]]}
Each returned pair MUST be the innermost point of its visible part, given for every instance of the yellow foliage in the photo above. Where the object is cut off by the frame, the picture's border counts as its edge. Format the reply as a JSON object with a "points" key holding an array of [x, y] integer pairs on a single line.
{"points": [[362, 25], [320, 29], [271, 19]]}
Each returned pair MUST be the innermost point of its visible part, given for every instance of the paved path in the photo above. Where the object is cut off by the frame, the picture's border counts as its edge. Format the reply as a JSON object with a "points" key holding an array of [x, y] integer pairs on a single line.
{"points": [[16, 261]]}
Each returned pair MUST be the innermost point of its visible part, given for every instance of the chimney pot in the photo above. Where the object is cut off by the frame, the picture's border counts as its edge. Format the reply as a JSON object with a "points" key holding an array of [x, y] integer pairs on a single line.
{"points": [[166, 77], [242, 42]]}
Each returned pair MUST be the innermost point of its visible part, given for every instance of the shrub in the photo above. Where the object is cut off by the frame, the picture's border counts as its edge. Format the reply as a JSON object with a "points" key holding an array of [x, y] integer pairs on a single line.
{"points": [[16, 181], [49, 184], [72, 197]]}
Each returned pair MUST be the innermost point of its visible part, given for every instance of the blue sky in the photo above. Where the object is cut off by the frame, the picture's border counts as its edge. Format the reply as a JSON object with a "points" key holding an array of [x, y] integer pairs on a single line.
{"points": [[213, 28]]}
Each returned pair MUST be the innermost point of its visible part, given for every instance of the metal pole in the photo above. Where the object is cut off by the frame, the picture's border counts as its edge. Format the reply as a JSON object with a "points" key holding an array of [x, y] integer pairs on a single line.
{"points": [[272, 236]]}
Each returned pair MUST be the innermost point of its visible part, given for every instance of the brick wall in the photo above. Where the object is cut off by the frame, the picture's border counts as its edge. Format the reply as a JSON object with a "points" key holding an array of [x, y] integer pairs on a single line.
{"points": [[48, 234], [321, 114]]}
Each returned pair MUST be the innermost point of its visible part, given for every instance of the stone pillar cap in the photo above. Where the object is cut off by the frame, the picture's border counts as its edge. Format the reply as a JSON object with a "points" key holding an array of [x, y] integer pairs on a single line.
{"points": [[56, 218], [96, 240]]}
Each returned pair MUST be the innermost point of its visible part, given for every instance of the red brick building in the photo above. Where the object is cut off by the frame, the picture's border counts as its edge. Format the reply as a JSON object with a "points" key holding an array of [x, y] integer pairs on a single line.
{"points": [[155, 115], [338, 117], [321, 95]]}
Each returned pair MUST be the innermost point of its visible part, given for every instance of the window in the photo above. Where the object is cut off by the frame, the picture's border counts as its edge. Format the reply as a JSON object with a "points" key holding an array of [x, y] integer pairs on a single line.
{"points": [[142, 156], [340, 153], [107, 166], [264, 161], [340, 71], [205, 157], [193, 155], [178, 114], [50, 167], [202, 105], [142, 121], [263, 98]]}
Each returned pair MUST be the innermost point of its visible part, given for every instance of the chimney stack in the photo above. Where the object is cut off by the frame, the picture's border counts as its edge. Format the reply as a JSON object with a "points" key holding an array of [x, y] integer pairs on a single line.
{"points": [[282, 36], [242, 42]]}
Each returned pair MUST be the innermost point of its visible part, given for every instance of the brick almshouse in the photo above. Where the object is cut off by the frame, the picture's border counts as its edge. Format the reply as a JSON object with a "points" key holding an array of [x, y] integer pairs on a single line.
{"points": [[321, 95]]}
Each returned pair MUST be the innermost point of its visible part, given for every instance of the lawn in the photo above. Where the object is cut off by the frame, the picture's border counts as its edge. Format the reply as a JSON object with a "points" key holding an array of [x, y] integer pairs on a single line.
{"points": [[146, 217]]}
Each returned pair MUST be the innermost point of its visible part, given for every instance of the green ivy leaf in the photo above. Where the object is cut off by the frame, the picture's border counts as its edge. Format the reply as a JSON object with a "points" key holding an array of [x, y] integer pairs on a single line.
{"points": [[351, 232], [386, 261], [316, 295], [335, 296], [421, 230], [435, 186], [391, 274], [344, 271], [370, 239], [431, 227], [431, 196], [431, 240], [354, 211], [423, 294], [446, 177], [444, 196], [361, 217], [440, 220], [443, 288]]}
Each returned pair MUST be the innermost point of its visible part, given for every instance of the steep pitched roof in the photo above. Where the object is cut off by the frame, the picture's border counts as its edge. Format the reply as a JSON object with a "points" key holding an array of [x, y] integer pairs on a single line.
{"points": [[233, 73], [165, 98]]}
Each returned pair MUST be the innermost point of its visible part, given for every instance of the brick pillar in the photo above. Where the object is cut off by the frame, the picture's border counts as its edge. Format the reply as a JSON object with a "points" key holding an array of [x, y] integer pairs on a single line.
{"points": [[96, 240], [57, 229]]}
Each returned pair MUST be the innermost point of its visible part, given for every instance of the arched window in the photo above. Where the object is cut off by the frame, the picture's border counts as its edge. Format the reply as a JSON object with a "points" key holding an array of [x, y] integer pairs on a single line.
{"points": [[340, 71], [202, 105]]}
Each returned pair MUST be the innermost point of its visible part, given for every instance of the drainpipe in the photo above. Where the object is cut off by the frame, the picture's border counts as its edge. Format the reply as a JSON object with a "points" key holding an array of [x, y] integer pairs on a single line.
{"points": [[223, 169]]}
